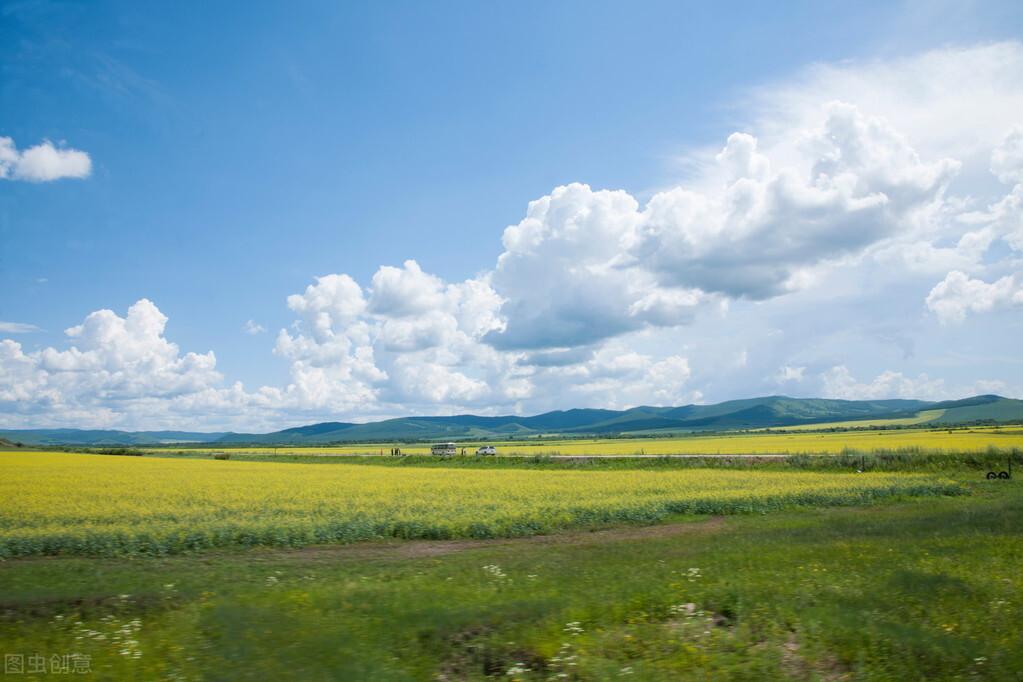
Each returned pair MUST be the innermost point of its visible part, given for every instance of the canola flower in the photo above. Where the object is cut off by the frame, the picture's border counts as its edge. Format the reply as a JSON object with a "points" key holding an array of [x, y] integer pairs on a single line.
{"points": [[64, 503], [794, 440]]}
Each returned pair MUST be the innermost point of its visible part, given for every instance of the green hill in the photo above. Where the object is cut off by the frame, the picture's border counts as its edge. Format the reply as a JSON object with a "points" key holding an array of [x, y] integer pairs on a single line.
{"points": [[752, 413], [986, 408]]}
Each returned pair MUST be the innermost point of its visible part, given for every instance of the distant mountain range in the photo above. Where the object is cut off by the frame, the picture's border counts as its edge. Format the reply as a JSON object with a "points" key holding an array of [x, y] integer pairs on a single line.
{"points": [[752, 413]]}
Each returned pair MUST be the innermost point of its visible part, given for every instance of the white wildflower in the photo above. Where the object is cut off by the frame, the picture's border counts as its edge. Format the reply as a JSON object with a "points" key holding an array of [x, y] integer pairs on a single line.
{"points": [[517, 669], [494, 572], [574, 628]]}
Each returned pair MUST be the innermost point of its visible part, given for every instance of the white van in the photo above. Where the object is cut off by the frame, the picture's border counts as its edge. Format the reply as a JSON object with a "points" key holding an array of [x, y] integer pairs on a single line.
{"points": [[486, 450]]}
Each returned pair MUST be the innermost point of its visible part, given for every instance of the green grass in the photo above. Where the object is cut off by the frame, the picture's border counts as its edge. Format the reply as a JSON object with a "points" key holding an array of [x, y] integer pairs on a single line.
{"points": [[924, 589], [921, 417], [1003, 409]]}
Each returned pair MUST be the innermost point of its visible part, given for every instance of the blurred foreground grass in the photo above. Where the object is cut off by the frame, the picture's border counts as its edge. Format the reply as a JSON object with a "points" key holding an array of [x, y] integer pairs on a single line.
{"points": [[920, 589]]}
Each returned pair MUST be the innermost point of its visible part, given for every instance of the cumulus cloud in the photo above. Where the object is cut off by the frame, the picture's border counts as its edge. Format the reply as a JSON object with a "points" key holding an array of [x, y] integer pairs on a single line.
{"points": [[123, 372], [587, 265], [405, 291], [949, 102], [857, 183], [408, 340], [42, 163], [1007, 158], [1004, 218], [253, 328], [958, 103], [958, 294], [435, 352], [615, 377], [561, 276], [116, 364], [838, 382]]}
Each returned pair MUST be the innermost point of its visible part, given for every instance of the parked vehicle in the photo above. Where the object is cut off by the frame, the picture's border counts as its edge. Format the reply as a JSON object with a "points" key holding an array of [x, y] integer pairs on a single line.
{"points": [[444, 449], [486, 450]]}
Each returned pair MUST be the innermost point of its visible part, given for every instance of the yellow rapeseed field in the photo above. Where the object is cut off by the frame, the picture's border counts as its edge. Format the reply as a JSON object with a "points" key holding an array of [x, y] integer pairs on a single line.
{"points": [[63, 503], [799, 441]]}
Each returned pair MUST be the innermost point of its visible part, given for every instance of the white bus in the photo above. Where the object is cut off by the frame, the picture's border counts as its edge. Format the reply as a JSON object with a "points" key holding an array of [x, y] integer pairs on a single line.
{"points": [[443, 449]]}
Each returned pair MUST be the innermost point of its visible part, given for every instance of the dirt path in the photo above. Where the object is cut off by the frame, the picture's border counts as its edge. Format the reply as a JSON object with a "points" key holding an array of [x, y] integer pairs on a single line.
{"points": [[415, 549], [394, 548]]}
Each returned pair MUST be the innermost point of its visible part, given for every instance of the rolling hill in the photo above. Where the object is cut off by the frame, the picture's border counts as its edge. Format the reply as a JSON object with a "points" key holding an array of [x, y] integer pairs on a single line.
{"points": [[106, 437], [752, 413], [978, 409]]}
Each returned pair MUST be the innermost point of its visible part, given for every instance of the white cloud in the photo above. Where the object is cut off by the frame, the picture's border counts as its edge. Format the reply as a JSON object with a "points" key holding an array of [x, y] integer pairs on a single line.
{"points": [[1007, 158], [1005, 217], [117, 365], [560, 274], [666, 382], [410, 340], [958, 294], [334, 299], [17, 328], [587, 265], [950, 102], [122, 372], [838, 382], [667, 307], [425, 381], [433, 353], [786, 374], [253, 328], [615, 377], [42, 163], [405, 291], [925, 257], [857, 181]]}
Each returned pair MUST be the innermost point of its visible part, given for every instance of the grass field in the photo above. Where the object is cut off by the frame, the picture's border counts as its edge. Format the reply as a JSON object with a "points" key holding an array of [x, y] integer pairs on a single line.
{"points": [[974, 439], [919, 418], [63, 503], [925, 588]]}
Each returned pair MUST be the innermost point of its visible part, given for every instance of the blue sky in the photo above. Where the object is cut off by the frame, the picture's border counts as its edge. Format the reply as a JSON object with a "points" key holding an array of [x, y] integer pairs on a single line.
{"points": [[235, 156]]}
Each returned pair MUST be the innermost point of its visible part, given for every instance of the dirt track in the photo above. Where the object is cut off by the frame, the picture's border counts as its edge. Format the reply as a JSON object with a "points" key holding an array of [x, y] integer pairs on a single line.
{"points": [[414, 549]]}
